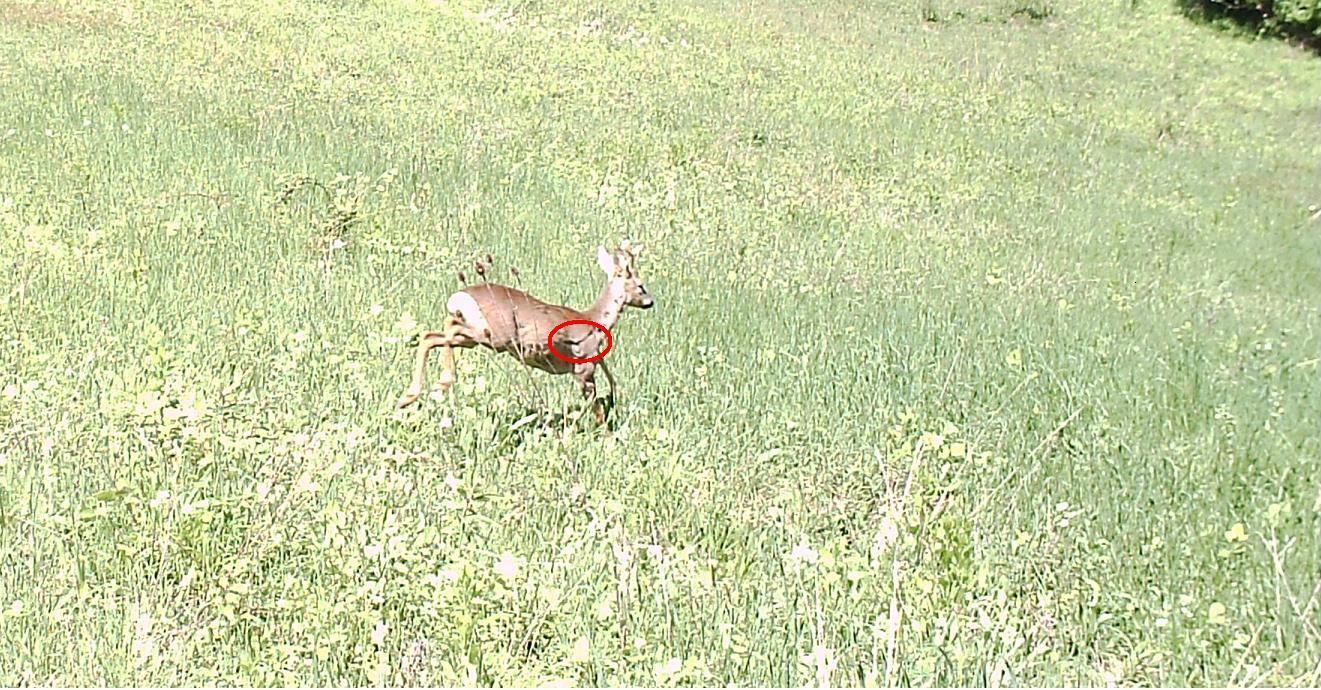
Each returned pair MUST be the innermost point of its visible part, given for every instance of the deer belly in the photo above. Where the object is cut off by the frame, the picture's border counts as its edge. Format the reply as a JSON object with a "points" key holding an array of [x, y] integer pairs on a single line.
{"points": [[540, 359]]}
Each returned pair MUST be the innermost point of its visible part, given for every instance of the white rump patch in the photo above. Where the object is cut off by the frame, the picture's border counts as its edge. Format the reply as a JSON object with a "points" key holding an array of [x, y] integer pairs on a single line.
{"points": [[462, 305]]}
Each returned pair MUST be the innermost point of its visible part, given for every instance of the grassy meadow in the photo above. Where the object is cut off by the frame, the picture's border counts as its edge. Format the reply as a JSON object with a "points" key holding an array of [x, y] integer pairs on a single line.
{"points": [[985, 352]]}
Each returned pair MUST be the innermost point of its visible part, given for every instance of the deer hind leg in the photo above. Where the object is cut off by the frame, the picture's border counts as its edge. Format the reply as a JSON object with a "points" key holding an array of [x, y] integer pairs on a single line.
{"points": [[446, 366], [454, 334], [459, 335]]}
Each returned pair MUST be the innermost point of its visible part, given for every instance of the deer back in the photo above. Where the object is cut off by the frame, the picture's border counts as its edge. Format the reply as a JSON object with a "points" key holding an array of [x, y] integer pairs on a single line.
{"points": [[515, 319]]}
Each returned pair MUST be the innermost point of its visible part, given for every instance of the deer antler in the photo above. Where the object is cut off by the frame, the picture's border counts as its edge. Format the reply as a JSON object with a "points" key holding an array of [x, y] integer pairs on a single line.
{"points": [[631, 248]]}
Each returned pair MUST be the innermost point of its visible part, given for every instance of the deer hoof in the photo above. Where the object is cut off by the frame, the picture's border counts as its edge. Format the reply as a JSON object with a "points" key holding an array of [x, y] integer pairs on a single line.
{"points": [[446, 380], [408, 398]]}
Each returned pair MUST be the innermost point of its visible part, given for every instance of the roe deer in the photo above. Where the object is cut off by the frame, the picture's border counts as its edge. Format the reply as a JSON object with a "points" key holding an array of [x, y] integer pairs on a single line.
{"points": [[508, 320]]}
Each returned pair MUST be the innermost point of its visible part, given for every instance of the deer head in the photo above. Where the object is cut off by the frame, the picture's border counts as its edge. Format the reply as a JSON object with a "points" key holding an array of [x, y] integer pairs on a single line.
{"points": [[620, 268]]}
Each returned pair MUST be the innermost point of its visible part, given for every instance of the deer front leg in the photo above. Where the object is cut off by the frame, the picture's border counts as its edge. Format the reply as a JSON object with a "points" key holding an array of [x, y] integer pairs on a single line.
{"points": [[611, 378], [586, 375]]}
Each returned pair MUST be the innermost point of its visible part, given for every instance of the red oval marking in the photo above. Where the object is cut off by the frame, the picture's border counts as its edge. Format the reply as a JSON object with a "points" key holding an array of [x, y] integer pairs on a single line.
{"points": [[550, 342]]}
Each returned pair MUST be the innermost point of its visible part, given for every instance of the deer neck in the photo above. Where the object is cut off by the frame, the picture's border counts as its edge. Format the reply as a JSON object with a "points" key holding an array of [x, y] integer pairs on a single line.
{"points": [[609, 305]]}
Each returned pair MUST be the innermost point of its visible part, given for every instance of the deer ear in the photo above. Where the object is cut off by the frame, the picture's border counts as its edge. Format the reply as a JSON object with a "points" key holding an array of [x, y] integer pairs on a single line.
{"points": [[606, 260]]}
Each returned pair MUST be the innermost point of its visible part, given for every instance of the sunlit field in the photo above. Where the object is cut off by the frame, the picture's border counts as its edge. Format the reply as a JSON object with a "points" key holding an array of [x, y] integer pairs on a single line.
{"points": [[985, 348]]}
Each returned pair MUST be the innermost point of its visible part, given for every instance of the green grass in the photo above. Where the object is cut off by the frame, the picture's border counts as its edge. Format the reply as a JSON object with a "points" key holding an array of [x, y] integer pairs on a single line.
{"points": [[980, 327]]}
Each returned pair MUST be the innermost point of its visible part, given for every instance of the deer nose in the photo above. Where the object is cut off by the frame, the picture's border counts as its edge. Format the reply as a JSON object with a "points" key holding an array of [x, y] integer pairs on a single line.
{"points": [[647, 302]]}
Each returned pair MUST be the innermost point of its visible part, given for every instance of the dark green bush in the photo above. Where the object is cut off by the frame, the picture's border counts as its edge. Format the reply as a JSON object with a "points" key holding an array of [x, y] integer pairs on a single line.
{"points": [[1298, 20]]}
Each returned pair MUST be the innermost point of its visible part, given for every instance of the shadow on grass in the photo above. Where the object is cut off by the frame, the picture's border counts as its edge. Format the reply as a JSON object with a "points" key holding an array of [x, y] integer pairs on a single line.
{"points": [[531, 422], [1258, 18]]}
